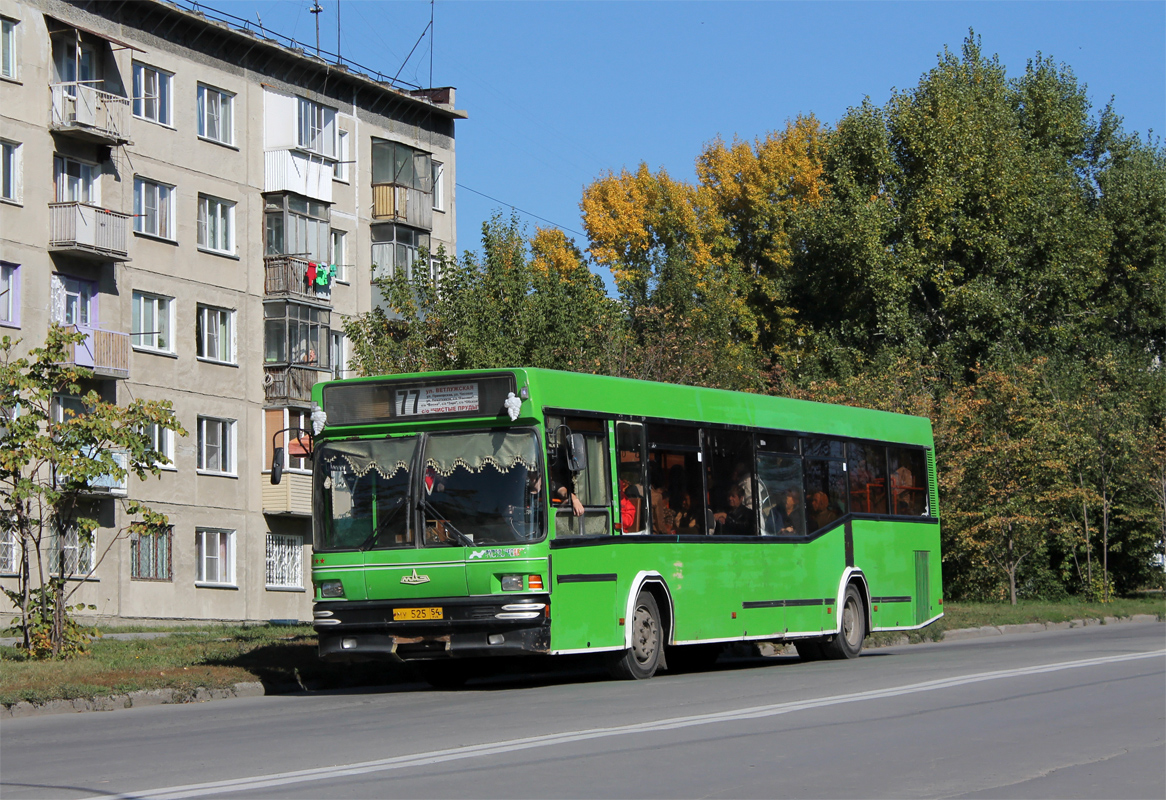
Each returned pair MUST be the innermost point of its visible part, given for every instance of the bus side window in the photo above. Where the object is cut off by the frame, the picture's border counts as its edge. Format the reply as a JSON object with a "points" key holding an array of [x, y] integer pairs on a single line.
{"points": [[779, 488], [867, 470], [908, 482], [629, 470], [825, 481], [732, 483], [592, 486]]}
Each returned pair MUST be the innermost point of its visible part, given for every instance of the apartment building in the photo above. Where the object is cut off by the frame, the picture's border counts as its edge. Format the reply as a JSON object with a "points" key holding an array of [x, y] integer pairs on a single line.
{"points": [[206, 204]]}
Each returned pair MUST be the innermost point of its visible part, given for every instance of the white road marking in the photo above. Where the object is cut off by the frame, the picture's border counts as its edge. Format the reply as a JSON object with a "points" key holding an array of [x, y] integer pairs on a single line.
{"points": [[567, 737]]}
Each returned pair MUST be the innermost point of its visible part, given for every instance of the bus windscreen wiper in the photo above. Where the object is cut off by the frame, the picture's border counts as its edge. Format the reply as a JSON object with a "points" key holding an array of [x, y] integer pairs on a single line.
{"points": [[383, 522], [462, 539]]}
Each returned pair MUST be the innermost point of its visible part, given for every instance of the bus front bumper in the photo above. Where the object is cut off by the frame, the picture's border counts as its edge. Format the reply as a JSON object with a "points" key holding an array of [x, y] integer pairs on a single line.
{"points": [[470, 627]]}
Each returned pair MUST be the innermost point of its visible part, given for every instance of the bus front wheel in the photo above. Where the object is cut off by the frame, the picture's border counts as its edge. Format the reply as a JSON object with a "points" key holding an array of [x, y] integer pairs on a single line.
{"points": [[643, 657], [847, 643]]}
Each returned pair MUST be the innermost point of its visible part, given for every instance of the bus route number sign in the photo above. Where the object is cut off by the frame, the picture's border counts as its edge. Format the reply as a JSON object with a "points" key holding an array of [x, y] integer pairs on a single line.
{"points": [[453, 398]]}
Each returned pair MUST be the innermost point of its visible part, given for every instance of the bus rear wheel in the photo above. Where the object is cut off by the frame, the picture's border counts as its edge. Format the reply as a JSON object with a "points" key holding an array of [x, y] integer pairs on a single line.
{"points": [[847, 643], [640, 661]]}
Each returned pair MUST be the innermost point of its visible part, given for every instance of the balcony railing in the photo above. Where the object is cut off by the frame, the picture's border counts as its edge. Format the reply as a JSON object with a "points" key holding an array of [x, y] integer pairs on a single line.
{"points": [[402, 204], [81, 109], [291, 384], [287, 276], [88, 231], [298, 171], [292, 495], [106, 353]]}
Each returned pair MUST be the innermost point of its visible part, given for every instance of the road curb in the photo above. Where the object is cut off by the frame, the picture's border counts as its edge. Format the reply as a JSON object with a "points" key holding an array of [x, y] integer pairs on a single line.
{"points": [[160, 697]]}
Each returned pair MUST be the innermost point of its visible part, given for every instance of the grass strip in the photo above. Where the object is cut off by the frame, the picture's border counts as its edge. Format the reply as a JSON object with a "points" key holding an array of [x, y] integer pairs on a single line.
{"points": [[284, 657]]}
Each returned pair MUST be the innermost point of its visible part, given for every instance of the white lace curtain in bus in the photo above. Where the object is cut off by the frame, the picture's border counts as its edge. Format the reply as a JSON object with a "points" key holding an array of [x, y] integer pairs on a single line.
{"points": [[474, 451], [386, 456]]}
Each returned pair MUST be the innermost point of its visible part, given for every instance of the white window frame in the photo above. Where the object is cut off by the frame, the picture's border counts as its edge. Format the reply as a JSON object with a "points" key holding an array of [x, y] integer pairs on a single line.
{"points": [[316, 128], [160, 197], [340, 254], [157, 107], [340, 168], [162, 440], [162, 313], [9, 63], [208, 98], [220, 317], [222, 542], [222, 213], [136, 559], [76, 297], [9, 294], [438, 186], [224, 433], [84, 187], [9, 550], [79, 557], [11, 171], [285, 562], [338, 357]]}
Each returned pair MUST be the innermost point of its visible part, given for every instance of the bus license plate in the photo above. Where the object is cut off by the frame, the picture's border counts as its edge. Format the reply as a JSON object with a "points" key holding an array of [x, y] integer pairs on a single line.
{"points": [[408, 614]]}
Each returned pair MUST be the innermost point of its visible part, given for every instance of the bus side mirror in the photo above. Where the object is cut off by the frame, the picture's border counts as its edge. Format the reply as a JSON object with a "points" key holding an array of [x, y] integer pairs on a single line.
{"points": [[277, 466], [576, 452]]}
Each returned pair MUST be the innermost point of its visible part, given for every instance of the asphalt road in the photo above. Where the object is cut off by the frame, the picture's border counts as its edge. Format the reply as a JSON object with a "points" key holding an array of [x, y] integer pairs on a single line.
{"points": [[1065, 714]]}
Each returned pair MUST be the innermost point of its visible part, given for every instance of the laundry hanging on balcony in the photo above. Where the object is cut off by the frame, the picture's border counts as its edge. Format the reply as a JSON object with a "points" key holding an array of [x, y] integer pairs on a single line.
{"points": [[320, 274]]}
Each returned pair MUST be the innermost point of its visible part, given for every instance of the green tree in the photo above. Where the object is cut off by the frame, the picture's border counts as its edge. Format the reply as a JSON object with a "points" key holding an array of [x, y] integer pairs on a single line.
{"points": [[48, 462]]}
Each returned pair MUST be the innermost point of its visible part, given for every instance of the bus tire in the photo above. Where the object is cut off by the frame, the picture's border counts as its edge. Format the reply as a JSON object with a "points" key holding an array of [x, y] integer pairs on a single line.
{"points": [[640, 661], [809, 649], [847, 643]]}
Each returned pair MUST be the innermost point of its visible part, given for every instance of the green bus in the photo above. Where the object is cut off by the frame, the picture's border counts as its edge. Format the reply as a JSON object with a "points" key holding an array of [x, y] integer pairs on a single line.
{"points": [[460, 515]]}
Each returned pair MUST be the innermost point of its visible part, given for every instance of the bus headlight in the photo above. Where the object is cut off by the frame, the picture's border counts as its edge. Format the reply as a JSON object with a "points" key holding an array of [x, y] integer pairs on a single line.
{"points": [[331, 588], [512, 583]]}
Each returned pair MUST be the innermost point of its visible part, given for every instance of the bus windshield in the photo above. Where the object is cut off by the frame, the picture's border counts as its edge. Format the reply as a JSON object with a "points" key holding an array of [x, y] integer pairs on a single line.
{"points": [[361, 494], [482, 488]]}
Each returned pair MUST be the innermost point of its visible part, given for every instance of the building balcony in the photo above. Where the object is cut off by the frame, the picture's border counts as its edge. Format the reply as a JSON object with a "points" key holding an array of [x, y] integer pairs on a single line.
{"points": [[292, 496], [287, 384], [85, 112], [106, 353], [87, 231], [109, 485], [298, 171], [404, 204], [287, 276]]}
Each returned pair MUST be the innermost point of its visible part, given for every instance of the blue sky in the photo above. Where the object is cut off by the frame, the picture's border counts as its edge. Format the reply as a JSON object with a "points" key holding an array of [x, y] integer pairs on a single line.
{"points": [[559, 93]]}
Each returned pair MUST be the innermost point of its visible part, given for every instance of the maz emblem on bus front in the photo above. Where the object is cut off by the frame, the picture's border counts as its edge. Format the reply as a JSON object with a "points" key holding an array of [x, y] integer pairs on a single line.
{"points": [[415, 579]]}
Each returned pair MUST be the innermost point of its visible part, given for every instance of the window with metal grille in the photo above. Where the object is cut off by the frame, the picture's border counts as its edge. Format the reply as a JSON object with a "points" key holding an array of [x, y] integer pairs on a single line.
{"points": [[285, 561], [150, 556]]}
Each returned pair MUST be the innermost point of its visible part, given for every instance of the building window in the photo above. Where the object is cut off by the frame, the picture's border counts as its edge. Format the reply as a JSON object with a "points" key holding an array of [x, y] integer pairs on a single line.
{"points": [[76, 181], [216, 224], [71, 553], [150, 558], [338, 356], [216, 556], [297, 226], [296, 334], [340, 255], [10, 294], [10, 172], [153, 208], [395, 248], [285, 561], [8, 47], [317, 128], [401, 165], [215, 114], [215, 331], [162, 440], [73, 301], [9, 549], [152, 94], [216, 446], [438, 186], [340, 168], [152, 322]]}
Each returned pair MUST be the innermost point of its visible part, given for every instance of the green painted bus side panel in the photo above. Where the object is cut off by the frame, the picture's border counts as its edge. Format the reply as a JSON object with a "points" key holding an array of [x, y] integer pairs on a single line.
{"points": [[885, 552], [411, 574], [585, 609], [352, 579], [922, 586], [484, 573]]}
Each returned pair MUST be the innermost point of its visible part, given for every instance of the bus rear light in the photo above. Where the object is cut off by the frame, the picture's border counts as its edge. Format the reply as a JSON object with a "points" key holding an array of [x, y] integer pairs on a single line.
{"points": [[535, 582], [512, 583]]}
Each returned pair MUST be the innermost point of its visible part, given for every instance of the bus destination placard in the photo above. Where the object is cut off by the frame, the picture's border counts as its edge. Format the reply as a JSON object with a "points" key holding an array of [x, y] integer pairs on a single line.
{"points": [[450, 398]]}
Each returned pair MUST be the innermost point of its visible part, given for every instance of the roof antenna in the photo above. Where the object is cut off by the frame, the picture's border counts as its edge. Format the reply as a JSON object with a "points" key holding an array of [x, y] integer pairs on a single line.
{"points": [[315, 11], [338, 59], [431, 32], [260, 21]]}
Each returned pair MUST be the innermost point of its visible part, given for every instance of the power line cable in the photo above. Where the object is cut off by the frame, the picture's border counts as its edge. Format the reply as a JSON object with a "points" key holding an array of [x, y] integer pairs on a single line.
{"points": [[521, 211]]}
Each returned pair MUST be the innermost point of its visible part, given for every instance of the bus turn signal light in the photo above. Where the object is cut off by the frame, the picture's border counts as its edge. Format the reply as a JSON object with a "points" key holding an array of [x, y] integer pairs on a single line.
{"points": [[535, 582]]}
